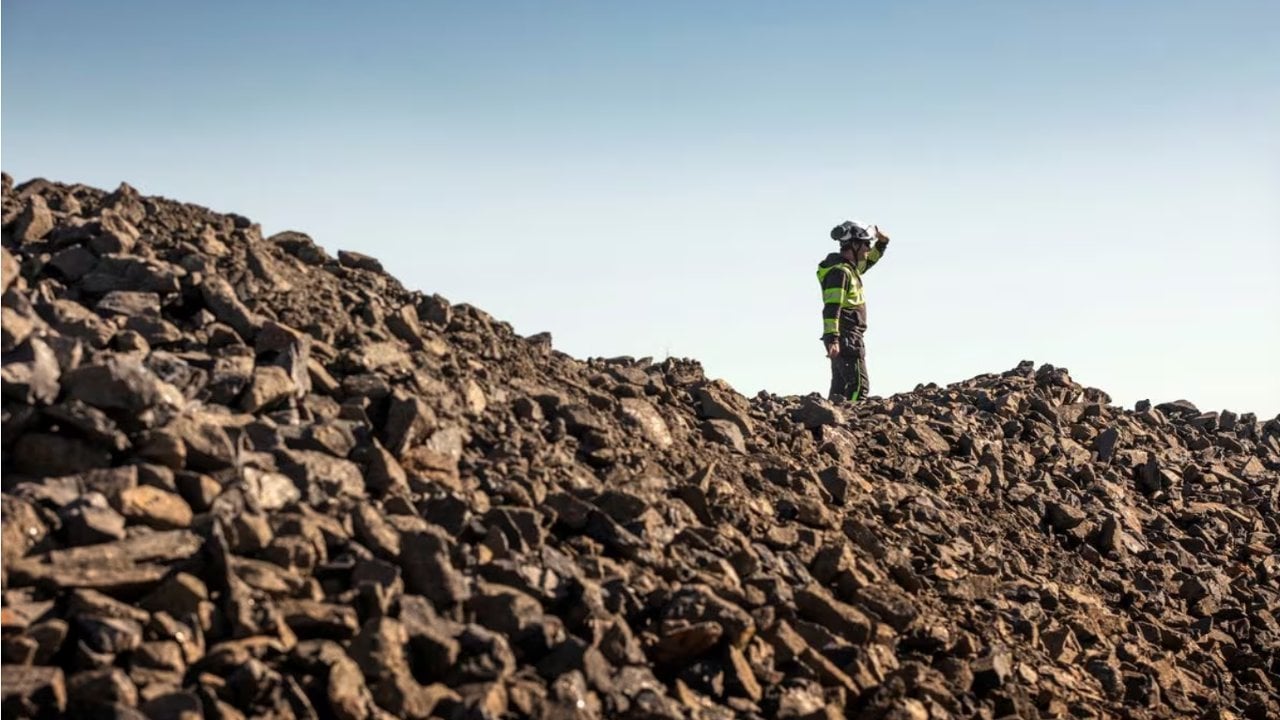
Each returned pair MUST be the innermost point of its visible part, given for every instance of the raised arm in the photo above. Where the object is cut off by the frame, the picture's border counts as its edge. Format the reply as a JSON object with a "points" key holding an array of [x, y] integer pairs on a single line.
{"points": [[877, 252]]}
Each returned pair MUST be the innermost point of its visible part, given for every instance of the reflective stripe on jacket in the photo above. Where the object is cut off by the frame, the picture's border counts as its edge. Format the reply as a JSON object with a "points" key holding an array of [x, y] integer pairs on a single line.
{"points": [[843, 302]]}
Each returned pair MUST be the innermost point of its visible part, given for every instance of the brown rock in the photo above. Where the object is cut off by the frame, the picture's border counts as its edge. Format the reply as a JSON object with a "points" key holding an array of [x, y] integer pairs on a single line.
{"points": [[95, 688], [33, 691], [117, 235], [680, 643], [270, 385], [31, 374], [10, 269], [816, 604], [155, 508], [35, 221]]}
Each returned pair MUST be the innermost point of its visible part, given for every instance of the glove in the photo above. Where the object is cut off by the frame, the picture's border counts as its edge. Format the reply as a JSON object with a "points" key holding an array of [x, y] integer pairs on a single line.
{"points": [[882, 240]]}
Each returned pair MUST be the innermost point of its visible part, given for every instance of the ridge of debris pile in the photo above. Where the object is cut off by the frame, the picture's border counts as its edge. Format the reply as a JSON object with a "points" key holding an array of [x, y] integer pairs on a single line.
{"points": [[243, 478]]}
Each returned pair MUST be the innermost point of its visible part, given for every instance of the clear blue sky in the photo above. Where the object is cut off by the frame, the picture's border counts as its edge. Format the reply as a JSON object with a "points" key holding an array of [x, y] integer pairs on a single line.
{"points": [[1092, 184]]}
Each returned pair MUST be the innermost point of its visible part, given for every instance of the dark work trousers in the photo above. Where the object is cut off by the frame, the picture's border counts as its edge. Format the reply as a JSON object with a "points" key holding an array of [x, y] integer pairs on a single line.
{"points": [[849, 380]]}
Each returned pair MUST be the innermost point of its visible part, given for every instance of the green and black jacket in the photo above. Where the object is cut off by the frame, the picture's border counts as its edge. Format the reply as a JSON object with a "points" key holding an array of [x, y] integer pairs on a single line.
{"points": [[844, 309]]}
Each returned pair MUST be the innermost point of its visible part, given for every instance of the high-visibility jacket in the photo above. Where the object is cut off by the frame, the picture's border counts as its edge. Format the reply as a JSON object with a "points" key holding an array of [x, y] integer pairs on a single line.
{"points": [[844, 306]]}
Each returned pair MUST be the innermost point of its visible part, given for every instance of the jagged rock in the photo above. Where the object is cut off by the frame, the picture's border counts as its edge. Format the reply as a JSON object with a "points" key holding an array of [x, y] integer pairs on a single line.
{"points": [[11, 270], [817, 604], [120, 383], [35, 221], [179, 595], [31, 374], [155, 508], [39, 454], [718, 403], [92, 520], [351, 259], [379, 650], [311, 619], [33, 691], [725, 432], [992, 670], [648, 420], [126, 303], [1063, 517], [131, 563], [816, 412], [889, 603], [23, 528], [91, 690], [116, 234], [269, 386], [205, 444], [409, 421], [74, 262]]}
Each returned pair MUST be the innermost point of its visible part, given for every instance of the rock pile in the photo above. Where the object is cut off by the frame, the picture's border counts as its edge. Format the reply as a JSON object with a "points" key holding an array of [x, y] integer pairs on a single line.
{"points": [[243, 478]]}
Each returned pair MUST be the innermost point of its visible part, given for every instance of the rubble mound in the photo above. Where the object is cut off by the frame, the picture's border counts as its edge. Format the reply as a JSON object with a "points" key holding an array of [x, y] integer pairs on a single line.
{"points": [[243, 478]]}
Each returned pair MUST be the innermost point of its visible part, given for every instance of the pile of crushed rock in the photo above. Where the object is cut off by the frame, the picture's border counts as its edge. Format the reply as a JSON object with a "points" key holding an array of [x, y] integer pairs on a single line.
{"points": [[242, 478]]}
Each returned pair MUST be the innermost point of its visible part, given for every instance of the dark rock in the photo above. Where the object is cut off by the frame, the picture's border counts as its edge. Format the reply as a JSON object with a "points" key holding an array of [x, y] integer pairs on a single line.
{"points": [[91, 520], [23, 528], [74, 262], [117, 234], [383, 474], [180, 595], [380, 652], [110, 636], [816, 412], [48, 454], [321, 475], [174, 706], [93, 689], [206, 445], [118, 384], [816, 604], [38, 692], [92, 423], [123, 272], [31, 374], [721, 403], [428, 570], [311, 619], [225, 305], [35, 221], [1063, 517], [269, 386], [889, 603], [356, 260], [409, 421], [992, 670], [725, 432]]}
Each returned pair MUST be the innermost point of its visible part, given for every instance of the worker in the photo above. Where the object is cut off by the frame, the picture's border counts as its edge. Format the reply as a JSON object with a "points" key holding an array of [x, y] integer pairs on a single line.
{"points": [[844, 308]]}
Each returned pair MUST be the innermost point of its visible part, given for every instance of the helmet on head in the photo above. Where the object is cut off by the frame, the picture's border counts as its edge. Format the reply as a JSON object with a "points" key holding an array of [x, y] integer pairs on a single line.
{"points": [[849, 233]]}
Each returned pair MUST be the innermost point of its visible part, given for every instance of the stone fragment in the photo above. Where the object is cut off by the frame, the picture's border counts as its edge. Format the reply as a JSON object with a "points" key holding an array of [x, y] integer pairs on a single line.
{"points": [[35, 221], [155, 508], [350, 259], [816, 412], [33, 691], [31, 374], [227, 307]]}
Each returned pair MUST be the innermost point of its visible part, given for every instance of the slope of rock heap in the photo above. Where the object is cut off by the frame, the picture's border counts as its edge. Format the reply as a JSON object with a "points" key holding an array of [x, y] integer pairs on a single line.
{"points": [[243, 478]]}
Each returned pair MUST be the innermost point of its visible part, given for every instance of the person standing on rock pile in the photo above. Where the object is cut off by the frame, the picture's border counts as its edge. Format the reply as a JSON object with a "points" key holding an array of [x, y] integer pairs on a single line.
{"points": [[844, 309]]}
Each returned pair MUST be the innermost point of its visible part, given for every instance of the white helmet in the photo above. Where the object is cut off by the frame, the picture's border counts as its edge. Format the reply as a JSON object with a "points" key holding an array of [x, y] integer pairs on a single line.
{"points": [[849, 232]]}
